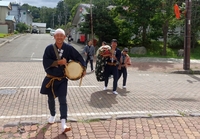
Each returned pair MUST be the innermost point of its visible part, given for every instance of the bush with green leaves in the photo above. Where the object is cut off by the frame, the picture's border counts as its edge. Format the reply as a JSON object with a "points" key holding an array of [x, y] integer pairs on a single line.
{"points": [[15, 32], [22, 27], [176, 42]]}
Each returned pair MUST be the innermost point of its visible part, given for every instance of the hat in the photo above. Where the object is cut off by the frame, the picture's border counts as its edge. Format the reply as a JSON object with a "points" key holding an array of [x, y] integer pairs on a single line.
{"points": [[114, 40], [125, 49], [59, 30]]}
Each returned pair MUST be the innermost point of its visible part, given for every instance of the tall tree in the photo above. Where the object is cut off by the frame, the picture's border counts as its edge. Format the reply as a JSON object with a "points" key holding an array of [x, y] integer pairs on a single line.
{"points": [[195, 23], [166, 13], [103, 24], [140, 12]]}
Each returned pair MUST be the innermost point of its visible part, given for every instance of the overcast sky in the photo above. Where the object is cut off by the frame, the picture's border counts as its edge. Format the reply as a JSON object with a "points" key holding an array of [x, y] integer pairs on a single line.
{"points": [[37, 3]]}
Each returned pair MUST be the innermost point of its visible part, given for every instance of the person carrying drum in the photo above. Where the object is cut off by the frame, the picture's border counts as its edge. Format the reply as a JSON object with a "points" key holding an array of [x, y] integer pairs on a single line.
{"points": [[111, 67], [89, 52], [55, 83], [122, 69]]}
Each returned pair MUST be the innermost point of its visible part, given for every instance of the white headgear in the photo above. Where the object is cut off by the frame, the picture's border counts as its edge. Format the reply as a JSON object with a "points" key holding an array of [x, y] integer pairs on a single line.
{"points": [[59, 30]]}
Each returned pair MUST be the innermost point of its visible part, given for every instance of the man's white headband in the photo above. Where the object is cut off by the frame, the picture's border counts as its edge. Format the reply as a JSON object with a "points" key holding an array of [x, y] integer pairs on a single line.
{"points": [[61, 31]]}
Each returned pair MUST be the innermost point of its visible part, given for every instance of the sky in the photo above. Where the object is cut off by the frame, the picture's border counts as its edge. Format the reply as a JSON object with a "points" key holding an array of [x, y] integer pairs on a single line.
{"points": [[37, 3]]}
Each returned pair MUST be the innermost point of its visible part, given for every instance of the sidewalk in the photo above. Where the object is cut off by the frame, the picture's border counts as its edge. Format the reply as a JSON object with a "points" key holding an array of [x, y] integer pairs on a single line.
{"points": [[8, 39], [153, 97], [139, 128]]}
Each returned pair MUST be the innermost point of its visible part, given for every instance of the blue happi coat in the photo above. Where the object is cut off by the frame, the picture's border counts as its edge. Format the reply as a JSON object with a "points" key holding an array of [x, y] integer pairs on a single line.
{"points": [[59, 86]]}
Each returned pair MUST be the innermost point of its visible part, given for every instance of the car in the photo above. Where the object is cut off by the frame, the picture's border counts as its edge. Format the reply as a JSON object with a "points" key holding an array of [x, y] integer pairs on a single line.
{"points": [[52, 32], [35, 31]]}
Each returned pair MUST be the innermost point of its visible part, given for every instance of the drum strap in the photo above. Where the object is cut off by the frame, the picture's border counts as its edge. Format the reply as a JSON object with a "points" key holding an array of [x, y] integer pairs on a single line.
{"points": [[51, 82], [56, 52]]}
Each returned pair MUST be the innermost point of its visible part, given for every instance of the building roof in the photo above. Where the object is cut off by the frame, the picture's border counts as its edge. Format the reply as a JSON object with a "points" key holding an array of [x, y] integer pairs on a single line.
{"points": [[5, 4], [82, 9], [39, 24], [10, 18]]}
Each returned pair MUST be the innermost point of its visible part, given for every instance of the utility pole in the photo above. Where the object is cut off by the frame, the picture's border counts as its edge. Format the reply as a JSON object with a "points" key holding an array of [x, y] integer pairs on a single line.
{"points": [[65, 10], [91, 21], [53, 20], [187, 40]]}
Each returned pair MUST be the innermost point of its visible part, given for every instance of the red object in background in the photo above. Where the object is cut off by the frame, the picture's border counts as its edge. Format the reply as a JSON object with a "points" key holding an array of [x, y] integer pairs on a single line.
{"points": [[82, 38], [177, 11]]}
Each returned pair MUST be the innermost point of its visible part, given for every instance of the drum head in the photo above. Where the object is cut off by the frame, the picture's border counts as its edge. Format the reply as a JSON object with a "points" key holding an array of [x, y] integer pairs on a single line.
{"points": [[73, 70]]}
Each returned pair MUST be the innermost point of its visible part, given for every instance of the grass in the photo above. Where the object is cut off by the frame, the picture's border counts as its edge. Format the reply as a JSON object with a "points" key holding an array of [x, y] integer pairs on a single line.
{"points": [[3, 35], [156, 48]]}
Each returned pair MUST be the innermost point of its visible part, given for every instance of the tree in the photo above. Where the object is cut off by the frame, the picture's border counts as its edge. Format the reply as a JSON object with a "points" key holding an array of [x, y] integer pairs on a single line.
{"points": [[103, 24], [195, 23], [21, 27], [140, 13]]}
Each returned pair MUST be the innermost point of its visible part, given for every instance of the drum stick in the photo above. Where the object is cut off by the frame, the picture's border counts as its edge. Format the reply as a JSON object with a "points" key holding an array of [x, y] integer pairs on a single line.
{"points": [[80, 82]]}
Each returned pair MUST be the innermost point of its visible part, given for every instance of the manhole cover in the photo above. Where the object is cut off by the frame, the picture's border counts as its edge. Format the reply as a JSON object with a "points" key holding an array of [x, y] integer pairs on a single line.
{"points": [[183, 99], [7, 92]]}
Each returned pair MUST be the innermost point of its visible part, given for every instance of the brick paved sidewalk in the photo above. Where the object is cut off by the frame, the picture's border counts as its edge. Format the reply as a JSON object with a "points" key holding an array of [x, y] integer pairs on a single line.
{"points": [[139, 128]]}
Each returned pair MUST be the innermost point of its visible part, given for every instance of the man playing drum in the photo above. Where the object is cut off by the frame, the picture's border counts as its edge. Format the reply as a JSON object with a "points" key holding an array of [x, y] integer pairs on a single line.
{"points": [[55, 83]]}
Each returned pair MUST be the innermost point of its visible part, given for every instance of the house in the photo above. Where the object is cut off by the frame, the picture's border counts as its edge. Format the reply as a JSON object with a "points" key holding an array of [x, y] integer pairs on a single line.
{"points": [[40, 26], [82, 10], [25, 16], [6, 20], [15, 11], [11, 14]]}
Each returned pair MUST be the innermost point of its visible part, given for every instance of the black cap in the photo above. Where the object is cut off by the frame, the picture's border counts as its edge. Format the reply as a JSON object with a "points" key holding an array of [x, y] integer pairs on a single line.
{"points": [[114, 40]]}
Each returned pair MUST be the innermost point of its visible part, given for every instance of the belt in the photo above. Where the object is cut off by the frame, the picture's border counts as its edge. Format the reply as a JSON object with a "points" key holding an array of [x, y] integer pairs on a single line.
{"points": [[111, 64], [51, 82]]}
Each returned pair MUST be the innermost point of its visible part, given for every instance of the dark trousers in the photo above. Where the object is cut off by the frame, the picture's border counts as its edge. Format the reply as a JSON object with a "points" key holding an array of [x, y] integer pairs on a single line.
{"points": [[111, 70], [91, 63], [63, 105], [123, 72]]}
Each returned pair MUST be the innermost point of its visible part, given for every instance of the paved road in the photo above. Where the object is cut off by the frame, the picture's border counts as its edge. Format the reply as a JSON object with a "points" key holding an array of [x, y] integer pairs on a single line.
{"points": [[156, 104]]}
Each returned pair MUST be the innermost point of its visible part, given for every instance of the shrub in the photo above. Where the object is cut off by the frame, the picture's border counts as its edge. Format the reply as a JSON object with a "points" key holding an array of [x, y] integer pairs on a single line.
{"points": [[176, 42], [21, 27], [15, 32]]}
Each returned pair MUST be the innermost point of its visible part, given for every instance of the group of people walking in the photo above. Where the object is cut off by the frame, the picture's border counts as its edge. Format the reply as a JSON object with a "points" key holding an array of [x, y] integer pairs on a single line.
{"points": [[115, 64], [55, 84]]}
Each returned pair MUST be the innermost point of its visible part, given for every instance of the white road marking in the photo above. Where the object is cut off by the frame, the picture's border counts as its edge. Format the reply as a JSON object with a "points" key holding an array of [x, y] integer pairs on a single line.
{"points": [[32, 87], [92, 114], [143, 74], [37, 59], [32, 55]]}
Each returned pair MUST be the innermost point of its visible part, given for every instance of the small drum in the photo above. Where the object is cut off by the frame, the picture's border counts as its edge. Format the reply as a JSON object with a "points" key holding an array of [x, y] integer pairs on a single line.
{"points": [[73, 70]]}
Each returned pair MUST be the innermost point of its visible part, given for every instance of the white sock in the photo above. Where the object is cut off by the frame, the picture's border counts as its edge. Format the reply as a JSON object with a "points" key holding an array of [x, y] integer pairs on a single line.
{"points": [[63, 124]]}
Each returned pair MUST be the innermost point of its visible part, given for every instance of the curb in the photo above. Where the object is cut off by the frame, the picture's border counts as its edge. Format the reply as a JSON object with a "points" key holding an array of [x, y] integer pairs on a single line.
{"points": [[103, 118], [187, 72], [3, 43], [8, 41]]}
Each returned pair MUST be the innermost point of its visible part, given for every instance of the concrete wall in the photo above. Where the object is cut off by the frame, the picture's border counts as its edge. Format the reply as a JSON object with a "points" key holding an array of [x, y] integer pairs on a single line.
{"points": [[42, 30], [3, 13], [4, 29]]}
